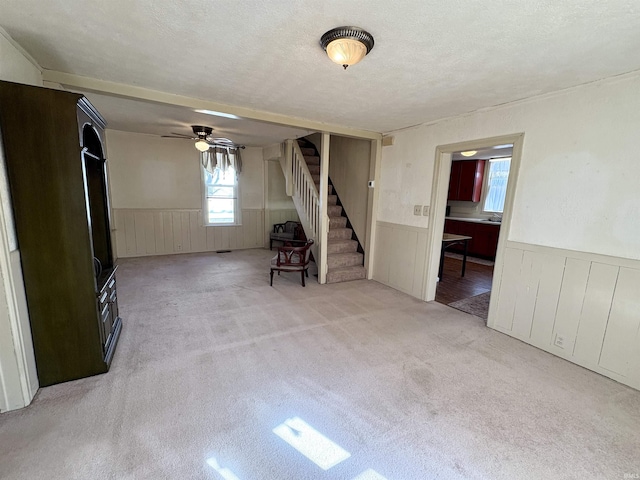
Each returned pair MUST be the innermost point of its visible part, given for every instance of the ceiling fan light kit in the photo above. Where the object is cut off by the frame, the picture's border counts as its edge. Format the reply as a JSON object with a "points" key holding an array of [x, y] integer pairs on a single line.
{"points": [[200, 131], [202, 145], [203, 139], [347, 45]]}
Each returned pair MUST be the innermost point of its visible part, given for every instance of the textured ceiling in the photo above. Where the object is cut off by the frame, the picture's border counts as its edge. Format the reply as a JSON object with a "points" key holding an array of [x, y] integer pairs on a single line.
{"points": [[161, 119], [432, 59]]}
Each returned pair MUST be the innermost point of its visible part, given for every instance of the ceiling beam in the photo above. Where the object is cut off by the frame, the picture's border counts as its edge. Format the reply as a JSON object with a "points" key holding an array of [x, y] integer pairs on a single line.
{"points": [[73, 81]]}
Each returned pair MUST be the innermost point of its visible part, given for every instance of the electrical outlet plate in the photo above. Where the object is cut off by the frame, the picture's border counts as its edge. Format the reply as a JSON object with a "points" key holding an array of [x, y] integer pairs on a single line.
{"points": [[559, 341], [425, 210], [417, 209]]}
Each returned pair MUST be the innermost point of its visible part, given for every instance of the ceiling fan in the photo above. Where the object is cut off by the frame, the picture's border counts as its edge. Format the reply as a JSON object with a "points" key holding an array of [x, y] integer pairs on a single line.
{"points": [[203, 138]]}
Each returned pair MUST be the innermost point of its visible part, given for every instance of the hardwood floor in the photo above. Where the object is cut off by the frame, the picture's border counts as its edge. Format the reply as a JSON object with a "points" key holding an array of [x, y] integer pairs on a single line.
{"points": [[452, 287]]}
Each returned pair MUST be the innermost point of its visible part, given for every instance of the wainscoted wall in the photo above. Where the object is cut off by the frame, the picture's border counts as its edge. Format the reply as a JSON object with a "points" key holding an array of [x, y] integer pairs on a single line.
{"points": [[349, 169], [587, 302], [400, 257], [281, 216], [272, 217], [141, 232]]}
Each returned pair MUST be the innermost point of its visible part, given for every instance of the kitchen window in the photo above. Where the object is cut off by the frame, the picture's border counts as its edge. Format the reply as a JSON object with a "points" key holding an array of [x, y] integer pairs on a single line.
{"points": [[496, 187], [221, 197]]}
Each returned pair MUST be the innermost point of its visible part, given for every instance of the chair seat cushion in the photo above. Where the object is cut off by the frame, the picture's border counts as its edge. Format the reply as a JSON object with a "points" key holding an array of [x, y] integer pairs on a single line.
{"points": [[295, 258]]}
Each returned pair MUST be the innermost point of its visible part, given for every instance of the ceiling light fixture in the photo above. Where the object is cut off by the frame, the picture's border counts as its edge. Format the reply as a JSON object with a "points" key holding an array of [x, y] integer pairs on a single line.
{"points": [[202, 145], [218, 114], [469, 153], [347, 45]]}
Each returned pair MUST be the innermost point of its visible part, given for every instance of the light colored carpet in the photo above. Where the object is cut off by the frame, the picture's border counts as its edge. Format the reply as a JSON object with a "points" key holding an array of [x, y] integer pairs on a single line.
{"points": [[212, 359], [477, 305]]}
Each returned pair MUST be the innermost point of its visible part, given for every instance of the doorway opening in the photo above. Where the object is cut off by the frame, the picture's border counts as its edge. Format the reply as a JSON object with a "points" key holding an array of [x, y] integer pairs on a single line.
{"points": [[472, 199], [473, 217]]}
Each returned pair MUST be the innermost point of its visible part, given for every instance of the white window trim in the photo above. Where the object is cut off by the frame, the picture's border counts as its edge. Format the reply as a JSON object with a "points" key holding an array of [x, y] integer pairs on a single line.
{"points": [[236, 206], [485, 187]]}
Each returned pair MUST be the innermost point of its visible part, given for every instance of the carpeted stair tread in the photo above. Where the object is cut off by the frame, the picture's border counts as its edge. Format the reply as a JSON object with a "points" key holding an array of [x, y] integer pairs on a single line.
{"points": [[334, 210], [314, 169], [346, 274], [339, 260], [312, 160], [341, 246], [332, 199], [337, 222], [340, 233], [308, 151]]}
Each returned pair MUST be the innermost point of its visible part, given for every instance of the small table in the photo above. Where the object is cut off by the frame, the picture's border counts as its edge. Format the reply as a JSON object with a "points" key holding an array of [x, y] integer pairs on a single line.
{"points": [[449, 239]]}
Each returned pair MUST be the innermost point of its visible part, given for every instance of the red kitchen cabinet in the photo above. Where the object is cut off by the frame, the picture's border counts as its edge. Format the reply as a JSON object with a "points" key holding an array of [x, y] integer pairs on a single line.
{"points": [[465, 182], [484, 237]]}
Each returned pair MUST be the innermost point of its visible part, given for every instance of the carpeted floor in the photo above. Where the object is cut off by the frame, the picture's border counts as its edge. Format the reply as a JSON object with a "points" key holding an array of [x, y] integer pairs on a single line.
{"points": [[477, 305], [212, 360]]}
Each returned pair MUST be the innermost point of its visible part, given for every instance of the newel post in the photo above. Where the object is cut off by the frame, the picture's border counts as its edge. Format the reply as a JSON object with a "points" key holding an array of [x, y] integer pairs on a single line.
{"points": [[324, 217]]}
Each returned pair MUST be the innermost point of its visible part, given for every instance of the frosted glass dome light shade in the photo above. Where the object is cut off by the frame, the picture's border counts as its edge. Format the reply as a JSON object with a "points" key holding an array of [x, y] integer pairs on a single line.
{"points": [[346, 51], [202, 145], [469, 153], [347, 45]]}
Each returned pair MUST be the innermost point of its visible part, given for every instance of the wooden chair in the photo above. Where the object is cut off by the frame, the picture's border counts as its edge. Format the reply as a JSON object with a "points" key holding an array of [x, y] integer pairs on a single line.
{"points": [[288, 233], [292, 259]]}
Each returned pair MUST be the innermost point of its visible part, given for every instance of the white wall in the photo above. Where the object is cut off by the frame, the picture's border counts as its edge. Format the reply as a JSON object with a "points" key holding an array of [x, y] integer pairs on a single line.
{"points": [[15, 65], [18, 376], [156, 198], [349, 165], [279, 207], [146, 171], [576, 189], [578, 177]]}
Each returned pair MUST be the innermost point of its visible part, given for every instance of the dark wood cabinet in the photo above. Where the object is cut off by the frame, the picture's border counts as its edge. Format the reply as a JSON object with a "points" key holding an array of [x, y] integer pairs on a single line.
{"points": [[53, 147], [484, 241], [466, 178]]}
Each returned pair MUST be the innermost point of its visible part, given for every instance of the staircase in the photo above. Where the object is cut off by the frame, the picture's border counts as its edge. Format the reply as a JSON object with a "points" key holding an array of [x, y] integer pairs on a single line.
{"points": [[344, 261]]}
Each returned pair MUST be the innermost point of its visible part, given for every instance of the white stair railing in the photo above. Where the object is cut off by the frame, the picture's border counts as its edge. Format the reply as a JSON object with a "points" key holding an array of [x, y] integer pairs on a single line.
{"points": [[302, 188]]}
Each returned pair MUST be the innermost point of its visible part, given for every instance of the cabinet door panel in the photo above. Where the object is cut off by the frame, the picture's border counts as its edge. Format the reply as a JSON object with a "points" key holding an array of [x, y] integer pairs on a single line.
{"points": [[467, 180], [454, 181], [107, 322], [468, 176], [484, 238]]}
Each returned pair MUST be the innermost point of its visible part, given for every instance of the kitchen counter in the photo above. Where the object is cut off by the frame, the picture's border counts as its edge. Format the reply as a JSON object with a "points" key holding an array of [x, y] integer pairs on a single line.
{"points": [[474, 220]]}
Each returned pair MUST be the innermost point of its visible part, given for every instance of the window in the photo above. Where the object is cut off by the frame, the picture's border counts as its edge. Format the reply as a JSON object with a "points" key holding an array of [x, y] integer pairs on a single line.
{"points": [[496, 188], [221, 197]]}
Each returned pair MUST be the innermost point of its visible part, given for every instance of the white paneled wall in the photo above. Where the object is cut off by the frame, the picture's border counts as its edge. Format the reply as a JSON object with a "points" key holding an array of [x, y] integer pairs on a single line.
{"points": [[400, 257], [141, 232], [582, 307], [273, 216], [281, 216]]}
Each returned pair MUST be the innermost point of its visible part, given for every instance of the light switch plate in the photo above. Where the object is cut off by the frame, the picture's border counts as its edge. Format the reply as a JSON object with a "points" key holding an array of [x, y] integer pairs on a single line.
{"points": [[417, 209], [425, 210]]}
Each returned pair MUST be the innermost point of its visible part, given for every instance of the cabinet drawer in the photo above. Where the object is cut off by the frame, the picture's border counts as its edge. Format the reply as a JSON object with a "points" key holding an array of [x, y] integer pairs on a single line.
{"points": [[105, 313]]}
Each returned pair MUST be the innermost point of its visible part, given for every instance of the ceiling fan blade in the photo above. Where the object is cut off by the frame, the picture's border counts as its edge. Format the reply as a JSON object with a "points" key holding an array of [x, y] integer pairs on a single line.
{"points": [[178, 135], [226, 145]]}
